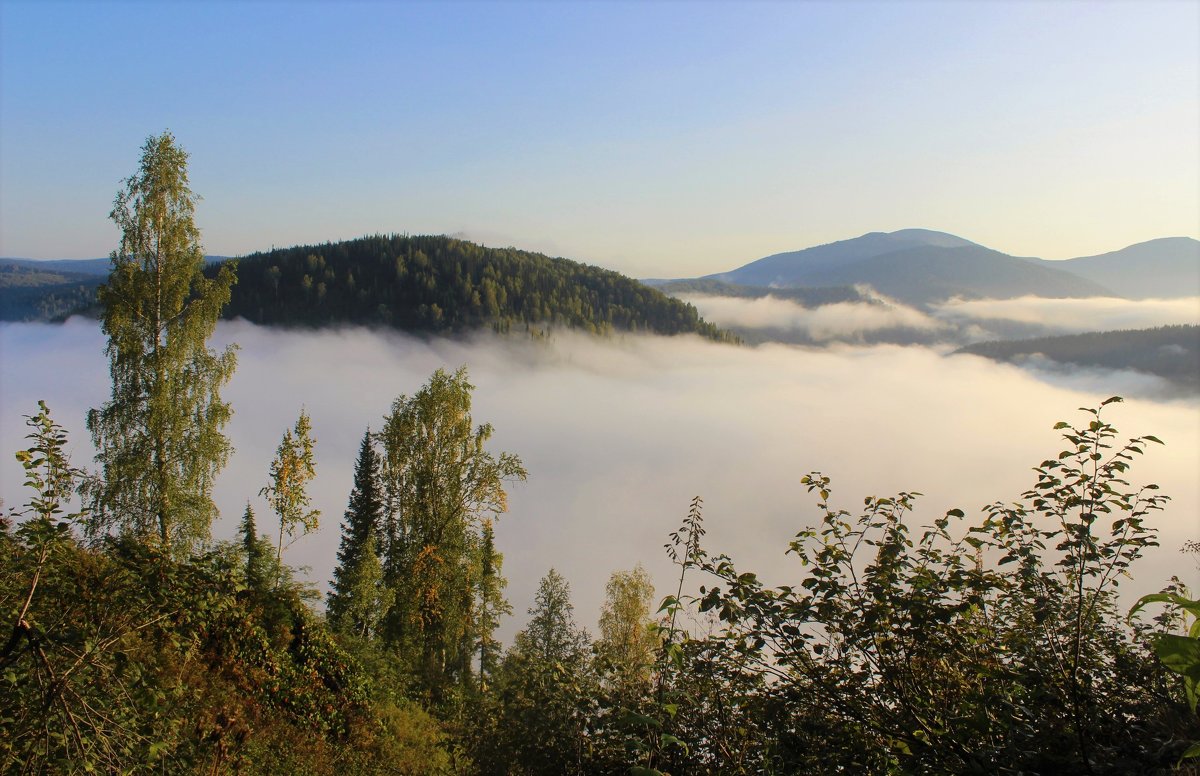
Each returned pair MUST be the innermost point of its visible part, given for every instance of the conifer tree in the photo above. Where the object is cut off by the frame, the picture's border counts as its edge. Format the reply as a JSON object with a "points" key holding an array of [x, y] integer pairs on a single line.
{"points": [[258, 568], [361, 525], [159, 438]]}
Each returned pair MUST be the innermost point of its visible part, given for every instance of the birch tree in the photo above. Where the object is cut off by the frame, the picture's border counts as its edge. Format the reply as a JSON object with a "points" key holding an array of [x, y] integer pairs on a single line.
{"points": [[159, 437]]}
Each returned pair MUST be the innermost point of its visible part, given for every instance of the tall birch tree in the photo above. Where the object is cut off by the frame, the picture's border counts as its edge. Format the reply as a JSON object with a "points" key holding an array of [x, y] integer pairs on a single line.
{"points": [[159, 437]]}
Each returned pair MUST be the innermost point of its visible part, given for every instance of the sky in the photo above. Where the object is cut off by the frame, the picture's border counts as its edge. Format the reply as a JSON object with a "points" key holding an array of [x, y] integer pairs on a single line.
{"points": [[619, 434], [662, 139]]}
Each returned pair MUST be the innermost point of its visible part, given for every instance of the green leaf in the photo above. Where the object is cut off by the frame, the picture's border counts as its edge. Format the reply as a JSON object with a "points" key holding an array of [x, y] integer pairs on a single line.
{"points": [[632, 717], [1181, 654], [1187, 604], [666, 739]]}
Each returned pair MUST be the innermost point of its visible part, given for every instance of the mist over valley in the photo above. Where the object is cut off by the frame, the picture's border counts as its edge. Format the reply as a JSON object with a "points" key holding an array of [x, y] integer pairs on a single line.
{"points": [[619, 433]]}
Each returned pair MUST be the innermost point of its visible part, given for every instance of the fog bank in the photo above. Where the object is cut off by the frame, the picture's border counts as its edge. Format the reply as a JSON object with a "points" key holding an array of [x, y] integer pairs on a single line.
{"points": [[619, 434], [1073, 316], [839, 321]]}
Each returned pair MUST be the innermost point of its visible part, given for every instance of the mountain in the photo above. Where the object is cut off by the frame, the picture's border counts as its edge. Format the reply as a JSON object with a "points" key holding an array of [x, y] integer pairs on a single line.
{"points": [[1164, 268], [924, 274], [439, 284], [797, 268], [1171, 352], [916, 266]]}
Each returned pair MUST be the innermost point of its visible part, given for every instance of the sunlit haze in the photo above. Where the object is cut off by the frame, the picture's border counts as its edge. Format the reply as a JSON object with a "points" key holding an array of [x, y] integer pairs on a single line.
{"points": [[619, 434]]}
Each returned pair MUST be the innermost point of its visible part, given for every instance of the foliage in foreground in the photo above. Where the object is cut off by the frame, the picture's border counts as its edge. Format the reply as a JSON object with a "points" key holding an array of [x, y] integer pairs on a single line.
{"points": [[125, 658], [995, 649], [987, 648]]}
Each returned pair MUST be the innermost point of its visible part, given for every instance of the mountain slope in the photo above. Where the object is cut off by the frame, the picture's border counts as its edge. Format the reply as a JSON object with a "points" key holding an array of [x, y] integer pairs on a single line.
{"points": [[804, 296], [796, 268], [928, 274], [38, 291], [1165, 268], [1171, 352], [439, 284], [917, 266]]}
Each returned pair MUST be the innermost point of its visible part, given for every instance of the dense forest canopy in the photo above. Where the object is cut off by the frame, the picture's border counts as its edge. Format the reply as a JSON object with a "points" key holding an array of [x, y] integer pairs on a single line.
{"points": [[31, 293], [807, 296], [440, 284], [1171, 352]]}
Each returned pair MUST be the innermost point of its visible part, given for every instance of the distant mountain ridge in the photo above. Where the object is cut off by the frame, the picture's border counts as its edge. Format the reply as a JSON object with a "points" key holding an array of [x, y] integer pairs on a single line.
{"points": [[921, 266], [88, 267], [791, 267], [1166, 267]]}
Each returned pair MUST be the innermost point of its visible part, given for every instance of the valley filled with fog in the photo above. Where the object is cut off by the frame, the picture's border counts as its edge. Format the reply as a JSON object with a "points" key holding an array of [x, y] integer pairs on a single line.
{"points": [[619, 433], [956, 321]]}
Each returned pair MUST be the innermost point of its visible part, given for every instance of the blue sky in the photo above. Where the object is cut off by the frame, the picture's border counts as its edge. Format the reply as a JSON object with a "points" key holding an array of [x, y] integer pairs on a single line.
{"points": [[660, 139]]}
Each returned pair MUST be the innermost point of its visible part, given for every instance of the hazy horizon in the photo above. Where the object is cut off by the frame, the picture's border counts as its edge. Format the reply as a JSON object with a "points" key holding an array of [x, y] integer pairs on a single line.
{"points": [[659, 140], [494, 244]]}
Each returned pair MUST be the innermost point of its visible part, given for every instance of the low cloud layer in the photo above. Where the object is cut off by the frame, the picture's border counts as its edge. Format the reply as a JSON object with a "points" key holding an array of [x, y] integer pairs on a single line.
{"points": [[1070, 316], [954, 322], [619, 434], [840, 321]]}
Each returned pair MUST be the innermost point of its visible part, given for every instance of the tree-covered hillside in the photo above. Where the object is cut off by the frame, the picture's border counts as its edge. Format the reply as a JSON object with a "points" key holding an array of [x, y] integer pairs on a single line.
{"points": [[30, 291], [439, 284], [1172, 352], [807, 296]]}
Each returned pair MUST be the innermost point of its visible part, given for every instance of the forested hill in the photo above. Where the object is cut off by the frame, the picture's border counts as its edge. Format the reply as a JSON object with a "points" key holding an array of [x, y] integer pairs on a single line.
{"points": [[1172, 352], [439, 284]]}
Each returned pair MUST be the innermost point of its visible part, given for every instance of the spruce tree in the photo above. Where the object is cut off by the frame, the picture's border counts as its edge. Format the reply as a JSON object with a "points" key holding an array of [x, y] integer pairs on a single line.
{"points": [[159, 438], [257, 551], [360, 526]]}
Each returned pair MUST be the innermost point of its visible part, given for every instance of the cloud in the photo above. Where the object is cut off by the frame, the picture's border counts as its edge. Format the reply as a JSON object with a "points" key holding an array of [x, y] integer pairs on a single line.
{"points": [[1070, 316], [840, 321], [619, 434]]}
